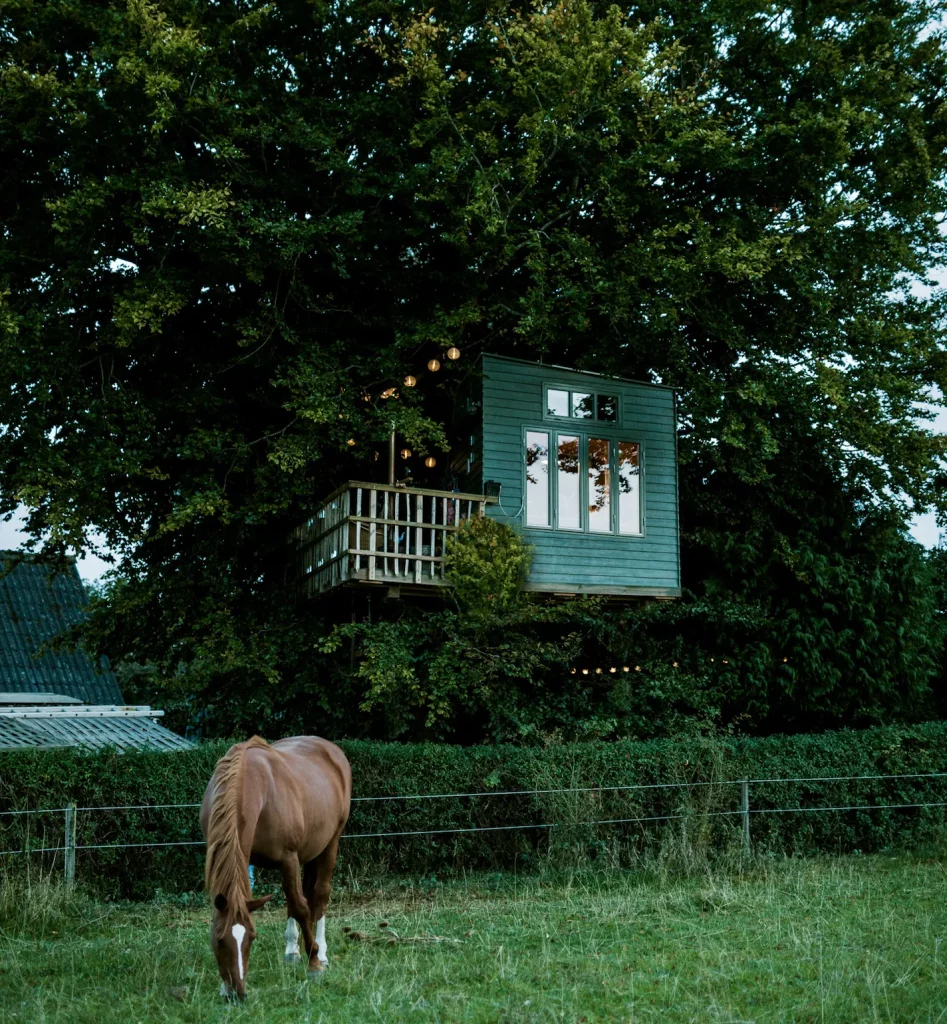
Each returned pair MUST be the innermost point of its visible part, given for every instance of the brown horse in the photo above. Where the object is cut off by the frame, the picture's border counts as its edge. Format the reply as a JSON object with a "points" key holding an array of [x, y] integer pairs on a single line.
{"points": [[282, 805]]}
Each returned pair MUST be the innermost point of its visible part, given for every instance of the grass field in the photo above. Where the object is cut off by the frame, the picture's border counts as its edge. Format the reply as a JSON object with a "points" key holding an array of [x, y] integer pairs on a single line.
{"points": [[856, 939]]}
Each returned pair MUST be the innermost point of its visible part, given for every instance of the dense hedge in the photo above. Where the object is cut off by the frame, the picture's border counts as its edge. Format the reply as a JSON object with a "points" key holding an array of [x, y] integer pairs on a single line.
{"points": [[50, 779]]}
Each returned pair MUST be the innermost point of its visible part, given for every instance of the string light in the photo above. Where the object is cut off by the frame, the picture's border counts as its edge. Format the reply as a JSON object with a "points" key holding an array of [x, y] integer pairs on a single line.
{"points": [[406, 453], [613, 669], [350, 441], [433, 365], [430, 462], [585, 671], [625, 668], [389, 393], [453, 352], [410, 381]]}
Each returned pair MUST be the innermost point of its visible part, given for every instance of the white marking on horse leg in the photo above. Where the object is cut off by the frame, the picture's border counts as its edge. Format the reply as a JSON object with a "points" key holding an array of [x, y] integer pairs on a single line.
{"points": [[321, 940], [292, 937], [238, 932], [225, 989]]}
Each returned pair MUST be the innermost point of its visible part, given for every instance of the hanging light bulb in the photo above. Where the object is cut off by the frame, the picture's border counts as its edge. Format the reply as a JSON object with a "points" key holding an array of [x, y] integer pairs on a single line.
{"points": [[598, 671], [350, 441], [410, 381], [585, 671], [430, 462], [613, 670], [406, 453], [389, 393], [625, 668], [433, 365], [453, 352]]}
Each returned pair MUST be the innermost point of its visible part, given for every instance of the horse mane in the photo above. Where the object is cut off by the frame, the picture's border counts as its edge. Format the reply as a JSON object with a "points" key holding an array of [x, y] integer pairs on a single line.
{"points": [[224, 869]]}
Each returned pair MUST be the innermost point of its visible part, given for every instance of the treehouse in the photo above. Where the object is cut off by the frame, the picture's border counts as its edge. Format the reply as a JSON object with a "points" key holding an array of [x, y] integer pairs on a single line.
{"points": [[584, 465]]}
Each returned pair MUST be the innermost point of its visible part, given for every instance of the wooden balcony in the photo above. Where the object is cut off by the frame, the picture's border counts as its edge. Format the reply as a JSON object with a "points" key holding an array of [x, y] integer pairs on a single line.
{"points": [[369, 534]]}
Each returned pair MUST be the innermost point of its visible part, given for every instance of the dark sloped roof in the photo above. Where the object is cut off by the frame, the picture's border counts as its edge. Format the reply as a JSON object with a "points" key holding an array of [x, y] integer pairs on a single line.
{"points": [[85, 728], [35, 608]]}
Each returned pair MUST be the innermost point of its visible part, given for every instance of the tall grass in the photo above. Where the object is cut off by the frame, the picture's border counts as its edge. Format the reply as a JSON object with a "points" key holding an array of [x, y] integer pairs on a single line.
{"points": [[847, 940]]}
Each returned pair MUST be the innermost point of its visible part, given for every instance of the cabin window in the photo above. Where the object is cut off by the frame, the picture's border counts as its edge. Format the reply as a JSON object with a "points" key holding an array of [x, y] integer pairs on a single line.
{"points": [[599, 468], [557, 402], [569, 497], [537, 478], [582, 405], [595, 488], [629, 487]]}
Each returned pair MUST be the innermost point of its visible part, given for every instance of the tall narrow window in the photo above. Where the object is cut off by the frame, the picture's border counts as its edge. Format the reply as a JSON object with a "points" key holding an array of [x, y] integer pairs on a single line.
{"points": [[537, 478], [629, 488], [600, 512], [568, 505]]}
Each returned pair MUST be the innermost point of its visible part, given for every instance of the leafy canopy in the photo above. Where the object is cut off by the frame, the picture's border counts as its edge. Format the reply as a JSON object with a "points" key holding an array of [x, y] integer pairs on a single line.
{"points": [[225, 223]]}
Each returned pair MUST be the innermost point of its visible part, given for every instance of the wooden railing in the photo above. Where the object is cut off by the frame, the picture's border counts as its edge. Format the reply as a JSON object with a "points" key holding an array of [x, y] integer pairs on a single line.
{"points": [[379, 533]]}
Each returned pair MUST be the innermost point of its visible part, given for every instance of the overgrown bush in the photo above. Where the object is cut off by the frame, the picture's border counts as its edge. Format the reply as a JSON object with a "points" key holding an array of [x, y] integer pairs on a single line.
{"points": [[702, 773]]}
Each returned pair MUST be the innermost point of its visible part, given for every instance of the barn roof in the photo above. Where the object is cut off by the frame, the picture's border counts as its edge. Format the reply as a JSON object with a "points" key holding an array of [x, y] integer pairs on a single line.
{"points": [[124, 727], [34, 608]]}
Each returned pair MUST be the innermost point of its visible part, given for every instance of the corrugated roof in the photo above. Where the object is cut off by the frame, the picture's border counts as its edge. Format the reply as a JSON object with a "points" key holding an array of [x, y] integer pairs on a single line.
{"points": [[34, 608], [88, 727]]}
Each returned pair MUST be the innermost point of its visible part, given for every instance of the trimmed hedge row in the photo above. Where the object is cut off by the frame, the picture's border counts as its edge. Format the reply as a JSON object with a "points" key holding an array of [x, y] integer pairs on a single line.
{"points": [[51, 779]]}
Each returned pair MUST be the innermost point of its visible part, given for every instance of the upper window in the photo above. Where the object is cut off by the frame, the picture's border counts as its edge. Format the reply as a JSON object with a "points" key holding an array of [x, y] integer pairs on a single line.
{"points": [[582, 405]]}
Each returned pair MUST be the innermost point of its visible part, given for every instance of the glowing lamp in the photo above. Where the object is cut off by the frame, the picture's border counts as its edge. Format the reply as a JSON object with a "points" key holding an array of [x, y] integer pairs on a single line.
{"points": [[410, 381], [350, 441], [406, 453], [453, 352], [430, 462], [433, 365]]}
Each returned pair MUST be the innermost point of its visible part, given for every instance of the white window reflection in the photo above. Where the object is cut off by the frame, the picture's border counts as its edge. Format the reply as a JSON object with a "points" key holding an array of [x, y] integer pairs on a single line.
{"points": [[599, 486], [537, 478], [629, 487], [557, 402], [569, 483]]}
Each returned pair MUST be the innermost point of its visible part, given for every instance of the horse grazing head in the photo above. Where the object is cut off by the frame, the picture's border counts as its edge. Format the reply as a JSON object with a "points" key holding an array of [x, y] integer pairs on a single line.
{"points": [[231, 935]]}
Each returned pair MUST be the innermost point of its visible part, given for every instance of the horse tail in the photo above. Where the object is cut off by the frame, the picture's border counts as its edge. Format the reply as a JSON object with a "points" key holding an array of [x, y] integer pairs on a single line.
{"points": [[224, 870]]}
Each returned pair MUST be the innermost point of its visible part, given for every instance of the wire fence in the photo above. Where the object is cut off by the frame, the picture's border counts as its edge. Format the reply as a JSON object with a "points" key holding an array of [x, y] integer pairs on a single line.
{"points": [[745, 812]]}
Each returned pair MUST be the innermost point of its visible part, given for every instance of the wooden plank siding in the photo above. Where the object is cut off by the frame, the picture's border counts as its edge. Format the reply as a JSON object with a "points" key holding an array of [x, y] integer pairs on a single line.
{"points": [[568, 561]]}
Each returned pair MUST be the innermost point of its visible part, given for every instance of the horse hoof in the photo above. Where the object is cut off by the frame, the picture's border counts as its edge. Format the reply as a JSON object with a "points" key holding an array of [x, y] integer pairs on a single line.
{"points": [[291, 958], [316, 974]]}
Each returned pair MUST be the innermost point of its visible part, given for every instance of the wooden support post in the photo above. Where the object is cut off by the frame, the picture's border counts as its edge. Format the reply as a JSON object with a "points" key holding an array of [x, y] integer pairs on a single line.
{"points": [[745, 813], [70, 845]]}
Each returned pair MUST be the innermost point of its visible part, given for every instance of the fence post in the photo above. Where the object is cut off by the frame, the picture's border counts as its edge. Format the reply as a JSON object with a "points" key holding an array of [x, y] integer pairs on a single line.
{"points": [[70, 845], [745, 812]]}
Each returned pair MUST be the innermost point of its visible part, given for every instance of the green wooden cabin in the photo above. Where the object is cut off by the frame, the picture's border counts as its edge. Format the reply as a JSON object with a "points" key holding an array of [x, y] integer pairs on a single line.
{"points": [[584, 465]]}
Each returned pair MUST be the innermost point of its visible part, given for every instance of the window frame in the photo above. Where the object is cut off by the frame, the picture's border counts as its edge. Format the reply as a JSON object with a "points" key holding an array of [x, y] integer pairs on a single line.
{"points": [[614, 436], [551, 417]]}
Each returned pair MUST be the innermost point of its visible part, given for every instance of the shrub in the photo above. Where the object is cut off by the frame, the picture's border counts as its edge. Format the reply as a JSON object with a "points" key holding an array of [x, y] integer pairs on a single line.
{"points": [[50, 779]]}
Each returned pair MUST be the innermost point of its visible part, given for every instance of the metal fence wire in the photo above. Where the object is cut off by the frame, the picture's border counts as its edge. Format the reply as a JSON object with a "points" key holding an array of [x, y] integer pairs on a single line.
{"points": [[745, 812]]}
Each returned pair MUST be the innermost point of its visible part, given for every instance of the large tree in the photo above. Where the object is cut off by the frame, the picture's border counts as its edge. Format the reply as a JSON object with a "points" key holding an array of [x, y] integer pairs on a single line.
{"points": [[224, 222]]}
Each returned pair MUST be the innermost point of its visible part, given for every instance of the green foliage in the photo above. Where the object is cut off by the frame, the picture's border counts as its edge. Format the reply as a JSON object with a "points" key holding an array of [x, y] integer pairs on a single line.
{"points": [[486, 564], [225, 223], [49, 779]]}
